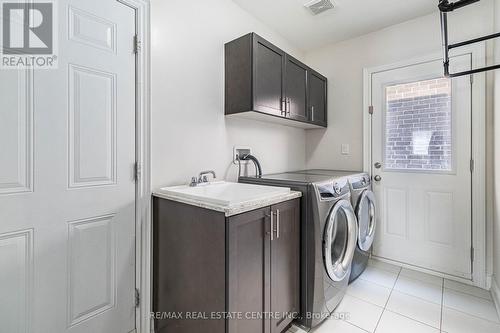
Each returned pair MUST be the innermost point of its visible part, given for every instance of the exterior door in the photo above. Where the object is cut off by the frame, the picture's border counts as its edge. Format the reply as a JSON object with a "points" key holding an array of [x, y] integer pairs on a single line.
{"points": [[67, 189], [421, 153], [296, 89]]}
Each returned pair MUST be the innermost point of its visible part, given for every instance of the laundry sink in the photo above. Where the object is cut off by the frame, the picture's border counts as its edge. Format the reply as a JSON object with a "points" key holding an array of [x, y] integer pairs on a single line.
{"points": [[221, 193]]}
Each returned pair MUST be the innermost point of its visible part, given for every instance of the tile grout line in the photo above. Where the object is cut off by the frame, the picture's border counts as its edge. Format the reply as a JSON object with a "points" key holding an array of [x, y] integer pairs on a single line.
{"points": [[472, 315], [349, 323], [412, 319], [469, 294], [386, 302]]}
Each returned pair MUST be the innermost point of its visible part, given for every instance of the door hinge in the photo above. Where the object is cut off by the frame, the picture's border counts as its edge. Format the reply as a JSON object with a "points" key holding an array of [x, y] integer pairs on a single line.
{"points": [[471, 165], [370, 109], [471, 78], [137, 171], [137, 298], [472, 254], [137, 44]]}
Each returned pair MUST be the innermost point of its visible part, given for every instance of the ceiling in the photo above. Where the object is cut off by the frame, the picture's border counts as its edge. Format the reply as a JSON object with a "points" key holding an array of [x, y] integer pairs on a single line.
{"points": [[348, 19]]}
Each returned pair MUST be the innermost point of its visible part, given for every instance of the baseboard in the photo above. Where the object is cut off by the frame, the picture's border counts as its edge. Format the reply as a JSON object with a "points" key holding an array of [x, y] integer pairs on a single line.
{"points": [[495, 293]]}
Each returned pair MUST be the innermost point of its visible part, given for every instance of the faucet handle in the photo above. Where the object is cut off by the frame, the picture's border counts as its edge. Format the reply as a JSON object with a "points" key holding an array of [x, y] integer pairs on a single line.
{"points": [[194, 181]]}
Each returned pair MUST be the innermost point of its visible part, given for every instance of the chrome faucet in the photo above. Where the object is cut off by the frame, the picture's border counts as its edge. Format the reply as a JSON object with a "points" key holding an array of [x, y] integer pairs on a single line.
{"points": [[202, 178]]}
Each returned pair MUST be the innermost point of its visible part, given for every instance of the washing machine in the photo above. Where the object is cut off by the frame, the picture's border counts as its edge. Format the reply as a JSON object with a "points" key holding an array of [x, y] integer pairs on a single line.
{"points": [[363, 201], [328, 240]]}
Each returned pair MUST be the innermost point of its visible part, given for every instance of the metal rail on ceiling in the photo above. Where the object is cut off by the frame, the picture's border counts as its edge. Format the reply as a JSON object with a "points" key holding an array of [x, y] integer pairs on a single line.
{"points": [[445, 6]]}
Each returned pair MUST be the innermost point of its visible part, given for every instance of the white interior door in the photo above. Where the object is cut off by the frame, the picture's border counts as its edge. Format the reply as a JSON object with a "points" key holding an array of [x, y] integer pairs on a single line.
{"points": [[67, 188], [421, 153]]}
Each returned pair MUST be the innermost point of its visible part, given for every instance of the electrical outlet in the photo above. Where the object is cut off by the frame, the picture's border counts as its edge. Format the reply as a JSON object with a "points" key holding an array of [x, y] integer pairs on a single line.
{"points": [[345, 149], [240, 151]]}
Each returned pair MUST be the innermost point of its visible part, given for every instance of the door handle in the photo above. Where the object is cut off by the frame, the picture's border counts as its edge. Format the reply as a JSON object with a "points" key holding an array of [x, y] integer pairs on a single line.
{"points": [[272, 225], [377, 165], [377, 178], [271, 232], [277, 223]]}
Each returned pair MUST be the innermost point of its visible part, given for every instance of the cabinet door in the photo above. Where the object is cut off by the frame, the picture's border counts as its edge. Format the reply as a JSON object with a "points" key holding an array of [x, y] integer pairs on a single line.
{"points": [[269, 63], [317, 98], [249, 270], [296, 89], [285, 261]]}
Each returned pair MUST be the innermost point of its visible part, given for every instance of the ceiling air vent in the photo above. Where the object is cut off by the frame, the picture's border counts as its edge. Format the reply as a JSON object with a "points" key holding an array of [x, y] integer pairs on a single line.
{"points": [[319, 6]]}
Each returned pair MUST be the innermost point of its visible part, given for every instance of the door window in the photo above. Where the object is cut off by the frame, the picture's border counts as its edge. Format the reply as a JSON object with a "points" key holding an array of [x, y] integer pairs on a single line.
{"points": [[418, 126]]}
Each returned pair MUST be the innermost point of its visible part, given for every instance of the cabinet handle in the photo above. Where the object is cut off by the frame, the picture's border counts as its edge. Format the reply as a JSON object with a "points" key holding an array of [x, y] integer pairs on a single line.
{"points": [[312, 112], [272, 226], [277, 223]]}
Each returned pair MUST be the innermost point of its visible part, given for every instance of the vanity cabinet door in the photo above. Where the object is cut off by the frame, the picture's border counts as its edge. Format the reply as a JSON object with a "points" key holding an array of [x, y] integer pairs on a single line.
{"points": [[285, 263], [248, 270]]}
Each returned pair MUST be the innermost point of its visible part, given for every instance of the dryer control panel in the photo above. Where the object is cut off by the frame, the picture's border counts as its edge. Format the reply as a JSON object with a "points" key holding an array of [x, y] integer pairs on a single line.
{"points": [[333, 189]]}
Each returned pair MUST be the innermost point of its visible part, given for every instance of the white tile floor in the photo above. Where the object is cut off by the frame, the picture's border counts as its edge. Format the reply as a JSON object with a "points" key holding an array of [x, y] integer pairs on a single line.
{"points": [[388, 298]]}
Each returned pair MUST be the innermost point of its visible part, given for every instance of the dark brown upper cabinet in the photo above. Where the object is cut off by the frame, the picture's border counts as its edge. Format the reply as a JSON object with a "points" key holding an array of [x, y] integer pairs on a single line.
{"points": [[269, 75], [317, 85], [262, 80], [296, 89]]}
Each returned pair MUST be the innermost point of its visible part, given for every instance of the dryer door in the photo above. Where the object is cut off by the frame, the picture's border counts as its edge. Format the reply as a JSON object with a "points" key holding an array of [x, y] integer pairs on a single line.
{"points": [[365, 213], [339, 240]]}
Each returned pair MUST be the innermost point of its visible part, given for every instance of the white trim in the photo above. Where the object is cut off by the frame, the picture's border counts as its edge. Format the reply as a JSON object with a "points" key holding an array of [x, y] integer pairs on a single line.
{"points": [[143, 157], [495, 294], [478, 146]]}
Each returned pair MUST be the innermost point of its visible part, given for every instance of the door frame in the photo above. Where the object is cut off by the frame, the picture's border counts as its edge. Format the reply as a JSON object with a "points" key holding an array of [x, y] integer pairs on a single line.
{"points": [[143, 160], [478, 118]]}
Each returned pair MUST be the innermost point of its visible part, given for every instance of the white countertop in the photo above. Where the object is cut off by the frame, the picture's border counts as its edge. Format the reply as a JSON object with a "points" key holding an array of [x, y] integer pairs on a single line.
{"points": [[226, 197]]}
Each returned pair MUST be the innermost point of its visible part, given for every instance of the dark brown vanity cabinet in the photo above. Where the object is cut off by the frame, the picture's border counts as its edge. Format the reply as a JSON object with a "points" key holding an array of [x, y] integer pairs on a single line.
{"points": [[263, 80], [243, 268]]}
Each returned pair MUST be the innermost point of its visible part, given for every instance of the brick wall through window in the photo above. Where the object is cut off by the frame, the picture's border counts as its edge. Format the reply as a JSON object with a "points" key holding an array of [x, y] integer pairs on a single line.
{"points": [[419, 126]]}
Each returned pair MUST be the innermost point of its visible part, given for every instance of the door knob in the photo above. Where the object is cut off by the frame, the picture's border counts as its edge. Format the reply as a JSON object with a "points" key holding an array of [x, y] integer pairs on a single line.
{"points": [[378, 165], [377, 178]]}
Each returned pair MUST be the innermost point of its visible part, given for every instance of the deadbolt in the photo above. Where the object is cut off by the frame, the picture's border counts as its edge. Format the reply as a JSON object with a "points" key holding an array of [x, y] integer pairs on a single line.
{"points": [[378, 165]]}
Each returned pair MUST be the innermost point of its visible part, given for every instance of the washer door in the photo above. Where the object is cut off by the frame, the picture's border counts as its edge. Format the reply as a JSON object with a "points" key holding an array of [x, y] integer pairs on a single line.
{"points": [[365, 213], [339, 240]]}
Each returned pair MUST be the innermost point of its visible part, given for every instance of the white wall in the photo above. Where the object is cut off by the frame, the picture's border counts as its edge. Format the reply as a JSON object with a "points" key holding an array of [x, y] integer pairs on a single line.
{"points": [[343, 64], [189, 130]]}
